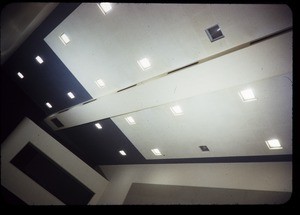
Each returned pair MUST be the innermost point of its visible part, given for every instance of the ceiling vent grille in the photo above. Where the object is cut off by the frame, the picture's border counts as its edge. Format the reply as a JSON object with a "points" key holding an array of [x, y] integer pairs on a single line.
{"points": [[214, 33], [57, 123], [204, 148]]}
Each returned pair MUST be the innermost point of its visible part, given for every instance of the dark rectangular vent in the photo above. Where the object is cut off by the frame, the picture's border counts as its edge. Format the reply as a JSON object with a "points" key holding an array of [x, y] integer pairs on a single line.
{"points": [[57, 123], [51, 176], [184, 67], [271, 35], [204, 148], [89, 101], [126, 88], [214, 33]]}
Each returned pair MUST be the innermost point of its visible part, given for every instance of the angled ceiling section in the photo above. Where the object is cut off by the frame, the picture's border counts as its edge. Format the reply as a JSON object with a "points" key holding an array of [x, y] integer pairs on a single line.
{"points": [[219, 120], [203, 77], [103, 145], [18, 21], [171, 36], [240, 67], [51, 80]]}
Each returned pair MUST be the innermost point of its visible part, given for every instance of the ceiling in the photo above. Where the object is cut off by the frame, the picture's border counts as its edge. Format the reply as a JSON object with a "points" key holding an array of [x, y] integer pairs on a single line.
{"points": [[204, 78]]}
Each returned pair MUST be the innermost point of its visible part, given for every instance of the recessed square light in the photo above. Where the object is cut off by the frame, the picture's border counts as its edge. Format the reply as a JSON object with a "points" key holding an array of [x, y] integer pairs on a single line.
{"points": [[176, 110], [71, 95], [20, 75], [130, 120], [247, 95], [98, 125], [156, 152], [214, 33], [105, 7], [144, 63], [100, 83], [64, 38], [39, 59], [122, 152], [273, 144], [48, 105]]}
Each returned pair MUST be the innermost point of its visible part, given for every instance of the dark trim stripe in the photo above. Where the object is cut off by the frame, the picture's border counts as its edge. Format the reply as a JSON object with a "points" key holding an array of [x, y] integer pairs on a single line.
{"points": [[235, 159]]}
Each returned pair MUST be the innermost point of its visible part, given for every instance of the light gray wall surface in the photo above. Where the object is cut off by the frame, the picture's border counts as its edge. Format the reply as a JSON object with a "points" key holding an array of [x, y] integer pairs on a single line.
{"points": [[145, 194], [266, 176]]}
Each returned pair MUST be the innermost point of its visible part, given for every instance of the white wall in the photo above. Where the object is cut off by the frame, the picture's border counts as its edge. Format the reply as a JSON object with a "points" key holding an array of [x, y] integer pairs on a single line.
{"points": [[272, 176], [27, 189]]}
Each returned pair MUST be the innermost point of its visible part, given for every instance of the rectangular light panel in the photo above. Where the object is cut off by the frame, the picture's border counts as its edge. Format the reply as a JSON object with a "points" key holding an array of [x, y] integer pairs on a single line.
{"points": [[176, 110], [71, 95], [98, 125], [156, 152], [247, 95], [273, 144], [122, 152], [39, 59], [144, 63], [48, 105], [105, 7], [20, 75], [130, 120], [64, 38], [100, 83]]}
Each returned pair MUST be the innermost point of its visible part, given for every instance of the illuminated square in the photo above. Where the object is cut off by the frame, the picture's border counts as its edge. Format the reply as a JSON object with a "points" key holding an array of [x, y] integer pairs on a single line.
{"points": [[105, 7], [273, 144], [176, 110], [122, 152], [100, 83], [48, 105], [64, 38], [71, 95], [39, 59], [130, 120], [156, 152], [144, 63], [247, 95], [20, 75]]}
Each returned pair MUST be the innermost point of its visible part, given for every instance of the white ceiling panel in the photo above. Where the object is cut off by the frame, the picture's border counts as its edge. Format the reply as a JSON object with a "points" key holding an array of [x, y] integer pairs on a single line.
{"points": [[219, 120], [170, 35], [239, 67]]}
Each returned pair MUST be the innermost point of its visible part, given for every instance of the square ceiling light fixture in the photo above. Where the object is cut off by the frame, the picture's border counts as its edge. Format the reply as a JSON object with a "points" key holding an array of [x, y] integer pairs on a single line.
{"points": [[71, 95], [20, 75], [176, 110], [156, 152], [122, 152], [100, 83], [273, 144], [98, 125], [144, 63], [65, 39], [214, 33], [39, 59], [130, 120], [247, 95], [105, 7], [48, 105]]}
